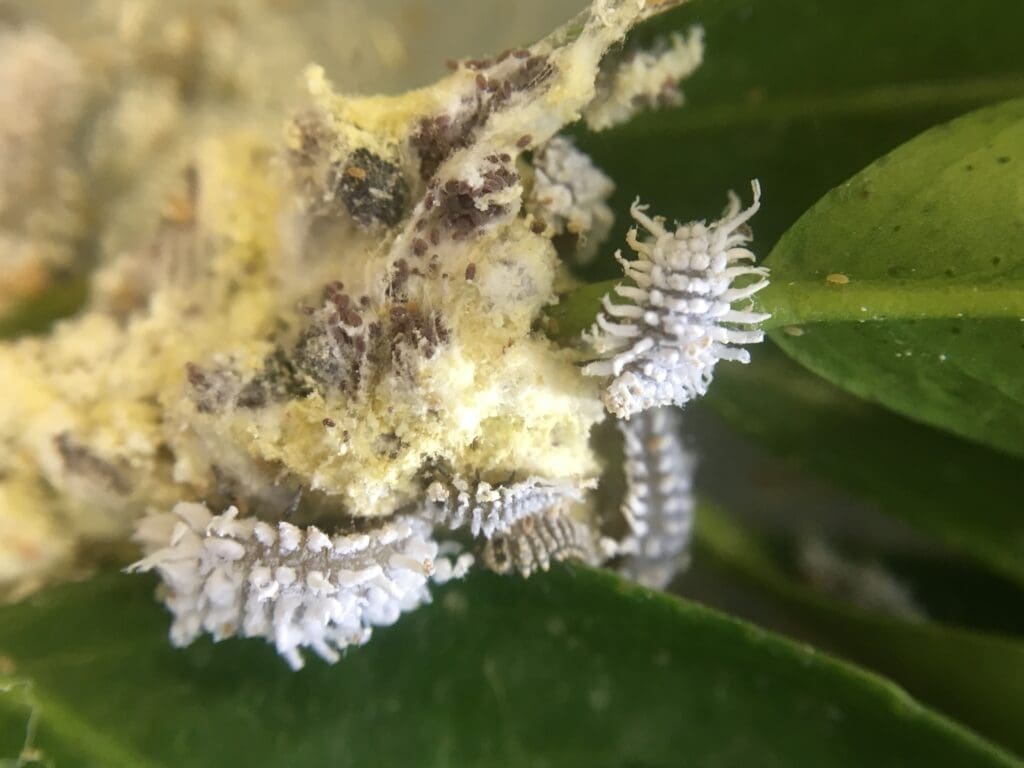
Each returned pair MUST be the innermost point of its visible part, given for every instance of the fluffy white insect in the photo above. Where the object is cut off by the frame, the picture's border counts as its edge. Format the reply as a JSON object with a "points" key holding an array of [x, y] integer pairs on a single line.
{"points": [[866, 585], [488, 509], [661, 346], [570, 195], [296, 587], [658, 504], [646, 79]]}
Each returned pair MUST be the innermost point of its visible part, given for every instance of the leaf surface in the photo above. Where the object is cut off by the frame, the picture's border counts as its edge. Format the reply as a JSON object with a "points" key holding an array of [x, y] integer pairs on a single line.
{"points": [[801, 95], [959, 493], [905, 285], [927, 658], [573, 668]]}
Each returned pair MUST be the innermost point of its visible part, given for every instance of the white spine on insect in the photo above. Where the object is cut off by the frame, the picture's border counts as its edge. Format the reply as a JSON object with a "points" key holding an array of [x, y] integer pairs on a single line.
{"points": [[658, 505], [296, 587], [487, 509], [661, 345]]}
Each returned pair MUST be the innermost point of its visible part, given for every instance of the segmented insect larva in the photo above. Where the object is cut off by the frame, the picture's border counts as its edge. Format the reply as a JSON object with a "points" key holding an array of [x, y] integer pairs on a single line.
{"points": [[534, 542], [658, 505], [674, 318], [297, 587]]}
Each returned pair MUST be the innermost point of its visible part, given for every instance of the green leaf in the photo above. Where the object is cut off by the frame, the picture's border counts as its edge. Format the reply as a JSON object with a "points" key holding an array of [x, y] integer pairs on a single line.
{"points": [[928, 316], [927, 658], [801, 95], [572, 668], [958, 492], [37, 314]]}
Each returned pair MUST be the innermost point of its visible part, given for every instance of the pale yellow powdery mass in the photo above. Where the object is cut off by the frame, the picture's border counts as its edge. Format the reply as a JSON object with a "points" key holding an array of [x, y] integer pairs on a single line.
{"points": [[348, 308]]}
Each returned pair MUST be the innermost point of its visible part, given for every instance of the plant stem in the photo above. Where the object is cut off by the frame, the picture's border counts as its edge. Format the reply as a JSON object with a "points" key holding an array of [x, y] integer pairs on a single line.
{"points": [[796, 303], [804, 302]]}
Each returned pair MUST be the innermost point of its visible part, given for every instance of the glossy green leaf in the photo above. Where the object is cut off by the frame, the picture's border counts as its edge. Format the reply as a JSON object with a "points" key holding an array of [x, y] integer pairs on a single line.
{"points": [[908, 280], [801, 95], [927, 658], [572, 668], [960, 493]]}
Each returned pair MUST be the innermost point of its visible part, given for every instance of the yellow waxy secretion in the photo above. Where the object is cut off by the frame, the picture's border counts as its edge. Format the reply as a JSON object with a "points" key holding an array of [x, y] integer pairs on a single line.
{"points": [[345, 310]]}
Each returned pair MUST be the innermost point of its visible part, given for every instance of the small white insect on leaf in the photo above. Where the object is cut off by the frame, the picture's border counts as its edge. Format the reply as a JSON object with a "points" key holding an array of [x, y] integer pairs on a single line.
{"points": [[645, 80], [533, 543], [296, 587], [487, 509], [658, 505], [867, 585], [660, 347]]}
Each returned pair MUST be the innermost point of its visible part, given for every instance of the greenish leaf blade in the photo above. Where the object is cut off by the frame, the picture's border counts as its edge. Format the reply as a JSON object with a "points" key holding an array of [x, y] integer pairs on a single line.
{"points": [[801, 96], [38, 313], [958, 492], [572, 668], [930, 240], [926, 658]]}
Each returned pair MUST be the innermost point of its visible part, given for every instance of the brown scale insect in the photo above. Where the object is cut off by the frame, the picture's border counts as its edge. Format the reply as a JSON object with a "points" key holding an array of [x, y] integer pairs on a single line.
{"points": [[410, 328], [533, 543], [277, 380], [438, 137], [458, 209]]}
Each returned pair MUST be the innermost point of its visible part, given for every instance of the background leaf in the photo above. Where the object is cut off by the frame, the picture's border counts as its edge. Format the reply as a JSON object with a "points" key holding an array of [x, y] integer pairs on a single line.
{"points": [[927, 658], [37, 314], [961, 494], [572, 668], [801, 95], [929, 315]]}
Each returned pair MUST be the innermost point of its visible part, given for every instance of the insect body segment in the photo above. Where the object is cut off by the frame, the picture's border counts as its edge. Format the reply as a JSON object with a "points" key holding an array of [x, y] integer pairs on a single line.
{"points": [[490, 509], [533, 543], [658, 506]]}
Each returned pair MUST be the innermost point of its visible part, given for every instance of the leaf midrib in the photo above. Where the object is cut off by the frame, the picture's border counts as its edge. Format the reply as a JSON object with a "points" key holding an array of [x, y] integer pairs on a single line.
{"points": [[799, 302], [793, 303], [869, 101]]}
